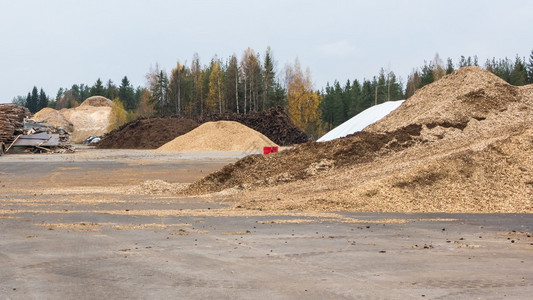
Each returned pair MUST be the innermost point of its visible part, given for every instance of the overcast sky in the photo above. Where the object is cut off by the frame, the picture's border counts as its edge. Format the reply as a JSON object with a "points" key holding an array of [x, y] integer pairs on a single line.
{"points": [[57, 43]]}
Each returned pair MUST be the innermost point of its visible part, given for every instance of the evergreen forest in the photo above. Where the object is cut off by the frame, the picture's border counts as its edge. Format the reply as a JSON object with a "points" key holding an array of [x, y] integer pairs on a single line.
{"points": [[252, 82]]}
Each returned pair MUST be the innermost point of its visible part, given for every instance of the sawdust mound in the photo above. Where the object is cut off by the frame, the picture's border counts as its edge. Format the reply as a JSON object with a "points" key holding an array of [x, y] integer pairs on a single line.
{"points": [[274, 123], [97, 101], [218, 136], [146, 133], [461, 144], [54, 118], [88, 121], [91, 118], [470, 93]]}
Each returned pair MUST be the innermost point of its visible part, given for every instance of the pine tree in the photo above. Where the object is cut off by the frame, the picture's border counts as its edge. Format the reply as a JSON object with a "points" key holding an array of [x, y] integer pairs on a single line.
{"points": [[426, 76], [334, 105], [33, 101], [269, 76], [98, 89], [449, 66], [395, 88], [519, 73], [380, 86], [126, 94], [326, 107], [28, 101], [355, 94], [501, 68], [111, 90], [158, 87], [367, 96], [85, 92], [43, 100], [530, 69], [278, 96], [59, 94], [346, 100]]}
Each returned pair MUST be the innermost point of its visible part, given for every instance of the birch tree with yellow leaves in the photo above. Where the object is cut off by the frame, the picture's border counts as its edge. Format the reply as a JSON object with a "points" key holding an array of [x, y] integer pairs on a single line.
{"points": [[214, 97], [302, 101]]}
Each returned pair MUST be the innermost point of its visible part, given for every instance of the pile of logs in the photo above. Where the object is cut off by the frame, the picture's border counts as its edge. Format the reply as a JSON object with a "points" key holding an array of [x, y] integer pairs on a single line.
{"points": [[11, 121]]}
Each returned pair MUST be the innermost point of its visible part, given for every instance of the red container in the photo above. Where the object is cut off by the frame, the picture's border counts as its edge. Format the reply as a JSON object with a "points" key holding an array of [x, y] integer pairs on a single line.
{"points": [[267, 150]]}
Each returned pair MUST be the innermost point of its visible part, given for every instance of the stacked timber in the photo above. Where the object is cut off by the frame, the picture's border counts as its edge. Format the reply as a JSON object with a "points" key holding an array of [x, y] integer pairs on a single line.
{"points": [[11, 121]]}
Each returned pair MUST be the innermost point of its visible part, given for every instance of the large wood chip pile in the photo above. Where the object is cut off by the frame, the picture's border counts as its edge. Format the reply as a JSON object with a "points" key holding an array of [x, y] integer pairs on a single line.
{"points": [[461, 144], [91, 118]]}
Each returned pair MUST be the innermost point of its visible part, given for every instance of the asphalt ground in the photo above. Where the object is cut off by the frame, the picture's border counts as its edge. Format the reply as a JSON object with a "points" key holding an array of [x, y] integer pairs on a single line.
{"points": [[67, 231]]}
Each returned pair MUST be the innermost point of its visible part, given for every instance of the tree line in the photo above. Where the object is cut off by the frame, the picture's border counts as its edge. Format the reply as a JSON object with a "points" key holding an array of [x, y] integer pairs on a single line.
{"points": [[340, 103], [517, 72], [77, 93], [228, 85], [253, 83]]}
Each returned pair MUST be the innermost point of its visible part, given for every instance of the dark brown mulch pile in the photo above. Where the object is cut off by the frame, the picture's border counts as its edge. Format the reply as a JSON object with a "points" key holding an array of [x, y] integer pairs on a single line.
{"points": [[151, 133], [274, 123], [146, 133]]}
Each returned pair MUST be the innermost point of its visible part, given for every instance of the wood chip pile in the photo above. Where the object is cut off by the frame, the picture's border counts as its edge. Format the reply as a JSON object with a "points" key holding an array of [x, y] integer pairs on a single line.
{"points": [[218, 136], [11, 121], [274, 123], [152, 133], [53, 117], [91, 118], [461, 144]]}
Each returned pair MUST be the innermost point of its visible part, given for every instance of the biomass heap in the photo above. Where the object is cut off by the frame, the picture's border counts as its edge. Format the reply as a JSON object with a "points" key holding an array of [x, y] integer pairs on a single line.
{"points": [[274, 123], [91, 118], [463, 144]]}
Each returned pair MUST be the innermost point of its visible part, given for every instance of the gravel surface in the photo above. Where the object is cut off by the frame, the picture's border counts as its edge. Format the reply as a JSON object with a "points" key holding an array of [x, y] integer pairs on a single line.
{"points": [[71, 229]]}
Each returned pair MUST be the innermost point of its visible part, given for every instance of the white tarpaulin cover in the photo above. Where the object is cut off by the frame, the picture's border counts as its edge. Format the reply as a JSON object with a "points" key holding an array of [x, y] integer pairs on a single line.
{"points": [[361, 120]]}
